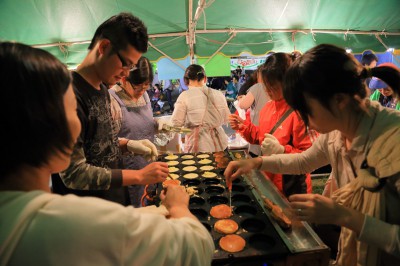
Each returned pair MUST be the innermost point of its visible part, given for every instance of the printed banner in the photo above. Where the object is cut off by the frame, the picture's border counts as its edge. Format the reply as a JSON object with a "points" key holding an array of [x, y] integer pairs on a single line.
{"points": [[247, 63]]}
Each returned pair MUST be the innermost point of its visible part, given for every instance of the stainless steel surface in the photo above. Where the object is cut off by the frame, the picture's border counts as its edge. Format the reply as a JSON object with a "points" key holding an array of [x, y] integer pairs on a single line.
{"points": [[301, 237], [181, 130]]}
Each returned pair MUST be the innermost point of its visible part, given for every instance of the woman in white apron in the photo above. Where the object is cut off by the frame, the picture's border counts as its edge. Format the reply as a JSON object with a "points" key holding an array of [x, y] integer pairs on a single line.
{"points": [[204, 111]]}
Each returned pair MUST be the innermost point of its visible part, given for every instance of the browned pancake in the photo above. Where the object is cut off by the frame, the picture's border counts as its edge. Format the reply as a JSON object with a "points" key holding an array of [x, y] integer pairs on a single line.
{"points": [[219, 154], [222, 164], [232, 243], [268, 203], [222, 159], [171, 182], [221, 211], [280, 217], [226, 226]]}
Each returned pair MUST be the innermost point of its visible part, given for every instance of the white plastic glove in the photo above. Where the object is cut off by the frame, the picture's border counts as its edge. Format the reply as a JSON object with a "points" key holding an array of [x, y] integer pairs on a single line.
{"points": [[143, 147], [271, 145], [163, 124]]}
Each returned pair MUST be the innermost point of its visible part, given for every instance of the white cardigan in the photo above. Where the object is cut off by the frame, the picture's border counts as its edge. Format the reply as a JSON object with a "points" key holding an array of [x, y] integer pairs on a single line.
{"points": [[329, 149], [47, 229]]}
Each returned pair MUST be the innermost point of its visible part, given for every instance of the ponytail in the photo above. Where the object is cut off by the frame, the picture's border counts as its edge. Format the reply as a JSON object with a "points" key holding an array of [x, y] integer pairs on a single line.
{"points": [[366, 73], [194, 72], [295, 54]]}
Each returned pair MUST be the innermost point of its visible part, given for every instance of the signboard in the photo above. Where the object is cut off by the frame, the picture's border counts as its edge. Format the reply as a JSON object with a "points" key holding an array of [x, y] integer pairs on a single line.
{"points": [[247, 63]]}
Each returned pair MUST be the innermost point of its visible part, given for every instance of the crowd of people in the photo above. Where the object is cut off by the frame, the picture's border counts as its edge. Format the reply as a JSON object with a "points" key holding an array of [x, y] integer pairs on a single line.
{"points": [[92, 130], [163, 96]]}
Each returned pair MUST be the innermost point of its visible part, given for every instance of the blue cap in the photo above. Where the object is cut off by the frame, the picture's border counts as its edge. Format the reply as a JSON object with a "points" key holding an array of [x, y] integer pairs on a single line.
{"points": [[367, 52], [376, 83]]}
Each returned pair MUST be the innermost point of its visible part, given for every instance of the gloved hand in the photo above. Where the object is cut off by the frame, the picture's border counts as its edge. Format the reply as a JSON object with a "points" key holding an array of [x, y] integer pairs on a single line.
{"points": [[162, 123], [143, 147], [271, 145]]}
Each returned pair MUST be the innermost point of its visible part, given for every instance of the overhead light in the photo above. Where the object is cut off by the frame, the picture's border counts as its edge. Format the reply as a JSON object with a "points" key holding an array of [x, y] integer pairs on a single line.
{"points": [[391, 50], [348, 50]]}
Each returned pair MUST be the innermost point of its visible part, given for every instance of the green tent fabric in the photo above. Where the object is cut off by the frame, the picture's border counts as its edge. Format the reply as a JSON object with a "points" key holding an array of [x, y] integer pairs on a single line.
{"points": [[65, 27]]}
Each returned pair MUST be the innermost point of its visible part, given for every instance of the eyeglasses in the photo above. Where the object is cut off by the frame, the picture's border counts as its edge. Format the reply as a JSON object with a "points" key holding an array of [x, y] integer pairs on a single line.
{"points": [[140, 87], [125, 66]]}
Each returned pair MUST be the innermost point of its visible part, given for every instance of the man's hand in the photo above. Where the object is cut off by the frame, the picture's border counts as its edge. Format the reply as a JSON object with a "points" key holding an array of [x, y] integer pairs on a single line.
{"points": [[153, 173]]}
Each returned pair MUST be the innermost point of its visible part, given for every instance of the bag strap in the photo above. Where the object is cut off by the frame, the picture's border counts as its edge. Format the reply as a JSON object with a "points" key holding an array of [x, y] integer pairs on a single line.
{"points": [[280, 121]]}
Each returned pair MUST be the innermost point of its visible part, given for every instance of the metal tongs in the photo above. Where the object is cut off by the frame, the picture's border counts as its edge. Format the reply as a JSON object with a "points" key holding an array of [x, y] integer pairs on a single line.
{"points": [[182, 130]]}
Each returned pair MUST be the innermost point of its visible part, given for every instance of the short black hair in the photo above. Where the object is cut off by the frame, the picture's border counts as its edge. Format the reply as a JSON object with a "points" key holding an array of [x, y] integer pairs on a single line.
{"points": [[368, 58], [122, 29], [143, 73], [32, 113], [194, 72]]}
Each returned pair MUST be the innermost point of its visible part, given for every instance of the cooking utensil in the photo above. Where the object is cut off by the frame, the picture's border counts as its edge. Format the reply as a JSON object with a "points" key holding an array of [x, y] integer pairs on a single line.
{"points": [[182, 130]]}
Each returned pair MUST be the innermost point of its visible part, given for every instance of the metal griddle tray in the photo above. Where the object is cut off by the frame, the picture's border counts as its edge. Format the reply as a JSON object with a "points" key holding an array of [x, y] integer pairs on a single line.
{"points": [[262, 239], [301, 237]]}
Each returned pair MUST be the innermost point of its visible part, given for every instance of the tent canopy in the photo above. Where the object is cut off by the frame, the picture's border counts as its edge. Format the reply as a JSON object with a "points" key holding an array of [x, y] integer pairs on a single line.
{"points": [[181, 28]]}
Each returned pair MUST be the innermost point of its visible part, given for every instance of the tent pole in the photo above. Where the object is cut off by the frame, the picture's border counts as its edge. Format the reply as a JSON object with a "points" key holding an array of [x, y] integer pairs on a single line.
{"points": [[192, 26], [220, 48], [190, 36], [305, 31], [167, 56]]}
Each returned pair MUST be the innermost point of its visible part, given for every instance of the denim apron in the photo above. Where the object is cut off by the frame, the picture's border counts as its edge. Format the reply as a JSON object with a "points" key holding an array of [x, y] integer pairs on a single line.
{"points": [[137, 123]]}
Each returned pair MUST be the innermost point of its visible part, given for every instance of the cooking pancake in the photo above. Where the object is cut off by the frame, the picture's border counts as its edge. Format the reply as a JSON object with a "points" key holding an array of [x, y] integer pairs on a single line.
{"points": [[170, 182], [237, 155], [189, 168], [174, 176], [172, 163], [173, 169], [207, 168], [187, 156], [226, 226], [222, 164], [209, 175], [188, 162], [232, 243], [171, 157], [268, 203], [205, 161], [222, 159], [191, 176], [219, 154], [280, 217], [221, 211], [202, 156], [191, 190]]}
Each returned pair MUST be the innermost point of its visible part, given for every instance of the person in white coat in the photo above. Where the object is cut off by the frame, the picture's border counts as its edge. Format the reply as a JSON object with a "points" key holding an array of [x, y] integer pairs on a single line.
{"points": [[41, 228], [204, 111]]}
